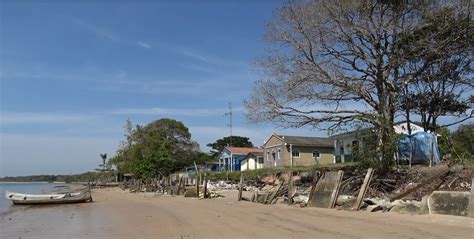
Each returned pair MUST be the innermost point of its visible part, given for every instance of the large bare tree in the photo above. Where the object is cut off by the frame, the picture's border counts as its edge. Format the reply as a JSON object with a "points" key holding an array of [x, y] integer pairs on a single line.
{"points": [[330, 63]]}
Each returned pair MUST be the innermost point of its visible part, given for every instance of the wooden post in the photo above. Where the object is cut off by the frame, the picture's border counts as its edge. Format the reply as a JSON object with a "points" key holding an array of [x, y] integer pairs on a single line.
{"points": [[470, 211], [205, 185], [241, 185], [363, 189], [290, 187], [183, 187], [432, 154], [165, 184], [313, 186], [197, 186], [274, 193], [340, 174], [423, 183], [265, 198], [178, 188], [411, 151]]}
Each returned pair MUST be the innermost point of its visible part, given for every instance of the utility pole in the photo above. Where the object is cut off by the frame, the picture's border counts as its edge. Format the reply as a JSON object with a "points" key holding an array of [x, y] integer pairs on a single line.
{"points": [[230, 138], [230, 123]]}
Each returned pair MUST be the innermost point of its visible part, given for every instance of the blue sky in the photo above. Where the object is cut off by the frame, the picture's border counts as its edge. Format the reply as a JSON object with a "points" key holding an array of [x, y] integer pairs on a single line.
{"points": [[72, 72]]}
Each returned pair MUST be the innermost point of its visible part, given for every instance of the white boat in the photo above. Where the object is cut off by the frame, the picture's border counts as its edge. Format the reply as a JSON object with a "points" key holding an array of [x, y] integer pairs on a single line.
{"points": [[34, 199]]}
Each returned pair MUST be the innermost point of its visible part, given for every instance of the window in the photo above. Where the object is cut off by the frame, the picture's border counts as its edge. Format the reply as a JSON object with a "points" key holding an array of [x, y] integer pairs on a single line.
{"points": [[295, 153], [316, 154]]}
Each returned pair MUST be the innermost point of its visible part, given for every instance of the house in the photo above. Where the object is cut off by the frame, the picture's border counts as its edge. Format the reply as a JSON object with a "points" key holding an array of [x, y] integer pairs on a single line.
{"points": [[286, 151], [230, 157], [206, 166], [253, 160], [402, 128], [345, 143]]}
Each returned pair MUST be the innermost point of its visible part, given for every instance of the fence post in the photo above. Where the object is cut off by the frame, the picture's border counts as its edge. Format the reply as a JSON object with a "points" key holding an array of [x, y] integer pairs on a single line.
{"points": [[197, 186], [241, 185], [290, 187], [205, 185]]}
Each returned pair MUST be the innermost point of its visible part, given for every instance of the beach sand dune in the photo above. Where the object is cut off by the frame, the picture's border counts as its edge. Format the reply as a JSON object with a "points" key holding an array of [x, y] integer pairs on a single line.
{"points": [[118, 214]]}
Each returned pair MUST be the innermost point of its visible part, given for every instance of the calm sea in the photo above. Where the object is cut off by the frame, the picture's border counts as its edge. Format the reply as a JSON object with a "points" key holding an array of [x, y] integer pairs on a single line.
{"points": [[29, 188]]}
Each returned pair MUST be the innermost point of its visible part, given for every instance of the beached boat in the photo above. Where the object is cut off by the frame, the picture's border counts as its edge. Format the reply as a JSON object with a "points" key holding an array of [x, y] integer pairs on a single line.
{"points": [[34, 199]]}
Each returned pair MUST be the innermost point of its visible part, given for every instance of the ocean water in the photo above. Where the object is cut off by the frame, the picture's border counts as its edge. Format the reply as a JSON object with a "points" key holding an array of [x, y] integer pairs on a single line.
{"points": [[29, 188]]}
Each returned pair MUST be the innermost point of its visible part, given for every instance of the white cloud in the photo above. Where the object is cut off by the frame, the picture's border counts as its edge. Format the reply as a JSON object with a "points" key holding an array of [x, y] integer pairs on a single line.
{"points": [[174, 111], [197, 56], [170, 86], [211, 60], [40, 154], [101, 32], [144, 44], [12, 118], [209, 134], [210, 70]]}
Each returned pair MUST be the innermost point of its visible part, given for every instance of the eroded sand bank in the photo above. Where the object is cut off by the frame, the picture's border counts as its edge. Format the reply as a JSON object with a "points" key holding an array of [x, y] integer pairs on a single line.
{"points": [[118, 214]]}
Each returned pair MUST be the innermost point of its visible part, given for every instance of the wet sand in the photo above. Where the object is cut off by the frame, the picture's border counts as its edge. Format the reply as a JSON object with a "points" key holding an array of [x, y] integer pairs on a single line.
{"points": [[118, 214]]}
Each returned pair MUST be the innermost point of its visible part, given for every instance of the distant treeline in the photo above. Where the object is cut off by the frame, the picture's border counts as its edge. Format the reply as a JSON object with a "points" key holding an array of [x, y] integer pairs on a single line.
{"points": [[83, 177]]}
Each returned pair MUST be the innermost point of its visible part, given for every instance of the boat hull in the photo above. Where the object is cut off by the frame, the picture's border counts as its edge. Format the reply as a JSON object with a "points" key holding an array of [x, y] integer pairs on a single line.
{"points": [[24, 199]]}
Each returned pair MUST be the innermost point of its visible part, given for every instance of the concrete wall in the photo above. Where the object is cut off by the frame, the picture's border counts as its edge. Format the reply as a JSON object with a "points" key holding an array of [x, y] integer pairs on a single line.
{"points": [[235, 166], [250, 164], [345, 151], [276, 154], [273, 153], [306, 156]]}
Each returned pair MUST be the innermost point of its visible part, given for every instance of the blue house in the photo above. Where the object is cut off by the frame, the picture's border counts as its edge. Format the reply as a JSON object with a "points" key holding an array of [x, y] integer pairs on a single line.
{"points": [[231, 157]]}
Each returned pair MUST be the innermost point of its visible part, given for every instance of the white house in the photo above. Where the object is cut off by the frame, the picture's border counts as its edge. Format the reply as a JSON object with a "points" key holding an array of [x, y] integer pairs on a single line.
{"points": [[253, 160]]}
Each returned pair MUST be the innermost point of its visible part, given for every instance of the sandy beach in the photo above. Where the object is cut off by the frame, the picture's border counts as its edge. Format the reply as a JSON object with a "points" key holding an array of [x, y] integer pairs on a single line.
{"points": [[119, 214]]}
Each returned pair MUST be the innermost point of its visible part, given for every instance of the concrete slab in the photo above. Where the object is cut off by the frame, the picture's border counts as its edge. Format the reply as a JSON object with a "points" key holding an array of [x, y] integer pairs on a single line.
{"points": [[326, 190], [407, 207], [448, 202]]}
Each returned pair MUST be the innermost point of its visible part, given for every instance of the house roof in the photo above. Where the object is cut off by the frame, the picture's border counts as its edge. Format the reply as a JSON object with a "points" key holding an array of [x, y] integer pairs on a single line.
{"points": [[307, 141], [243, 151], [258, 154], [399, 127]]}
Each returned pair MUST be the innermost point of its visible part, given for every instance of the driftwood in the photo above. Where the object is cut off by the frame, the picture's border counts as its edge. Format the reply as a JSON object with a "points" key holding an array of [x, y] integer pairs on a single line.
{"points": [[280, 193], [290, 187], [471, 201], [178, 186], [197, 185], [340, 174], [241, 185], [274, 193], [252, 199], [363, 189], [205, 186], [265, 197], [313, 186], [423, 183]]}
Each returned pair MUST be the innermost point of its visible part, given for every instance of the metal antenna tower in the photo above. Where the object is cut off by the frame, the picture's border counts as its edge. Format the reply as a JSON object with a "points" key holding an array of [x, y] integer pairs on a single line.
{"points": [[230, 122]]}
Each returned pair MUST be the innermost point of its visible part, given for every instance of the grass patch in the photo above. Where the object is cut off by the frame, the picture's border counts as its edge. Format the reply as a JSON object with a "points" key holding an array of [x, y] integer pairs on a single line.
{"points": [[255, 174]]}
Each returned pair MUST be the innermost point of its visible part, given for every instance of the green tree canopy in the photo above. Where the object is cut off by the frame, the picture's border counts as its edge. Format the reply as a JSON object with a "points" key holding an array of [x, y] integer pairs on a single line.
{"points": [[463, 140], [237, 141], [158, 148], [438, 67]]}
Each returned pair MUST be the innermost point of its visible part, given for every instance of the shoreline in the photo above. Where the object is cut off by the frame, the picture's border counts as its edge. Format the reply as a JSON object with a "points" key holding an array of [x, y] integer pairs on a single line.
{"points": [[23, 182], [70, 187], [115, 213]]}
